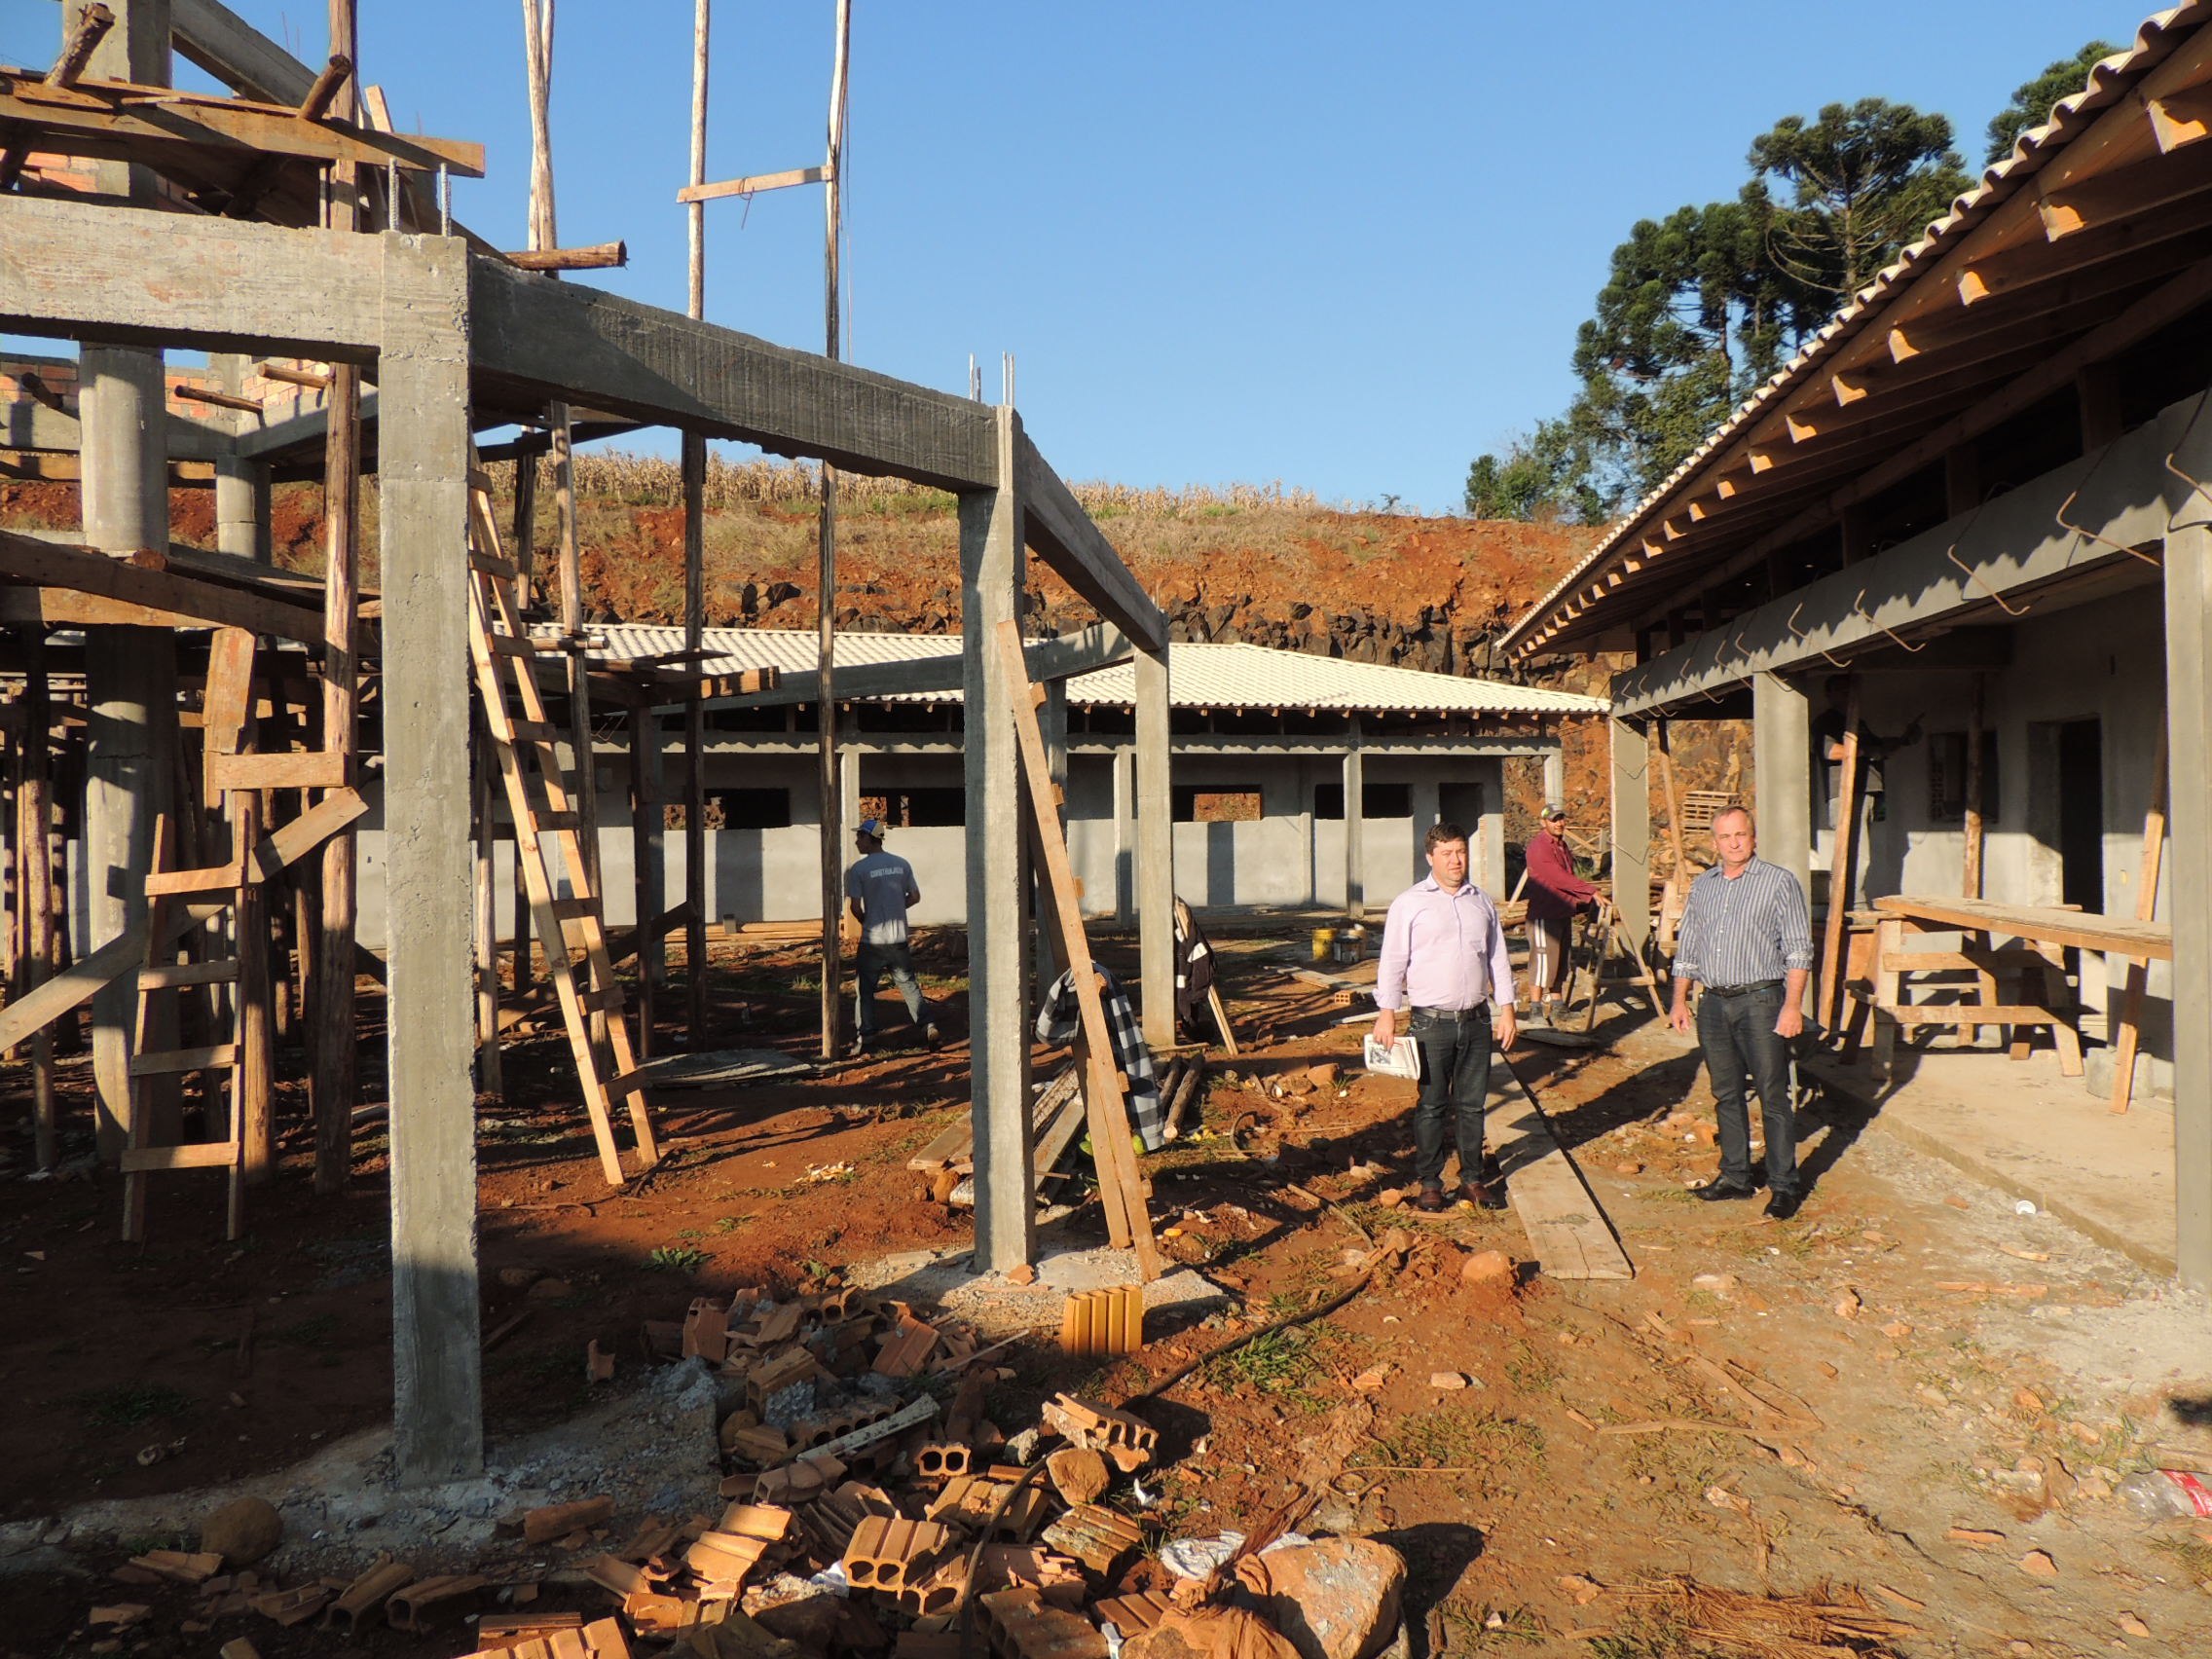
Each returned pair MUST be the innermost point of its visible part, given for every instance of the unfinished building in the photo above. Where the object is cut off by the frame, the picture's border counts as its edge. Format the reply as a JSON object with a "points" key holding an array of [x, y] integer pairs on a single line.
{"points": [[290, 225], [1967, 527]]}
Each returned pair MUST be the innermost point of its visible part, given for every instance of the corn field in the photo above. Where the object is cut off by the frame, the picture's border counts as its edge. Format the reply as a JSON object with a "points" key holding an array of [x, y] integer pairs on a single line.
{"points": [[656, 481]]}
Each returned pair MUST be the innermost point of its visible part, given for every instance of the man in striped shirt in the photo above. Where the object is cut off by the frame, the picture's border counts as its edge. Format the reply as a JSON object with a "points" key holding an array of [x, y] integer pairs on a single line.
{"points": [[1748, 938]]}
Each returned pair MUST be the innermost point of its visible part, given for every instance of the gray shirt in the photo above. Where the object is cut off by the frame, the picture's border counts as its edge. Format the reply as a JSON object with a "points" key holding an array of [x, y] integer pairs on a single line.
{"points": [[881, 885], [1746, 931]]}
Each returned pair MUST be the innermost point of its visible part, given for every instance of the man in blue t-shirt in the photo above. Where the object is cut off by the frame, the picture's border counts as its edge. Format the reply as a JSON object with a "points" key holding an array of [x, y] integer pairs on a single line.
{"points": [[879, 886]]}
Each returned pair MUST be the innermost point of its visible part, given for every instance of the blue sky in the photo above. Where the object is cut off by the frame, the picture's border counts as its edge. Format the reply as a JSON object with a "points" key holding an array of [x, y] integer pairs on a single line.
{"points": [[1342, 247]]}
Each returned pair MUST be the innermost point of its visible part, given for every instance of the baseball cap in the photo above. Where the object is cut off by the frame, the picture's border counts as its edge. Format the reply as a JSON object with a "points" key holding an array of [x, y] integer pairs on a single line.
{"points": [[1554, 810], [872, 828]]}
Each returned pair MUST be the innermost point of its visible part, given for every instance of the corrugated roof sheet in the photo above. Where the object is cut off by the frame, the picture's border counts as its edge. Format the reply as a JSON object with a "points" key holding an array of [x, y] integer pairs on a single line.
{"points": [[1199, 676], [2109, 81]]}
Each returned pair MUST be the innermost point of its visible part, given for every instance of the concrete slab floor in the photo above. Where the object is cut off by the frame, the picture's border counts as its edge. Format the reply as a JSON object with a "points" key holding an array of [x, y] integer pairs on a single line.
{"points": [[2036, 1136]]}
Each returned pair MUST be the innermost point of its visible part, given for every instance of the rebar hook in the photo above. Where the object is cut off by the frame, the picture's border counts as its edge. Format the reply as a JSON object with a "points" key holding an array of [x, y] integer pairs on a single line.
{"points": [[1858, 610], [1834, 661], [1974, 577], [2108, 541]]}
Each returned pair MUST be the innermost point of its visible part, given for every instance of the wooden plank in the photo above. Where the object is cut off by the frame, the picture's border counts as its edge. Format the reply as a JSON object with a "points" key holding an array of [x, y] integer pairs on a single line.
{"points": [[1566, 1225], [196, 1155], [28, 559], [542, 339], [170, 1063], [752, 185], [1071, 954], [218, 40], [74, 987], [2128, 1030], [2088, 929], [1975, 1014], [1842, 855], [302, 769], [117, 121]]}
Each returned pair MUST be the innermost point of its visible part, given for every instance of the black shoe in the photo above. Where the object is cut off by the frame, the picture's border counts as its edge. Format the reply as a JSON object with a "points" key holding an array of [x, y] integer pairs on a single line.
{"points": [[930, 1036], [1782, 1205], [1715, 1191]]}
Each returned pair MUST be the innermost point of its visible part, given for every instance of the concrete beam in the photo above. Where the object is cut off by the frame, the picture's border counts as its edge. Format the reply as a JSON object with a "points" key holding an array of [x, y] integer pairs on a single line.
{"points": [[438, 1370], [2008, 548], [34, 427], [88, 273], [998, 910], [545, 340], [1078, 551], [2189, 739]]}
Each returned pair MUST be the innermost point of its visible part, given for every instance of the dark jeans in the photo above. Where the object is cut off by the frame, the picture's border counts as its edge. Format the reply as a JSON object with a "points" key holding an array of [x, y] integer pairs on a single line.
{"points": [[876, 962], [1738, 1036], [1455, 1082]]}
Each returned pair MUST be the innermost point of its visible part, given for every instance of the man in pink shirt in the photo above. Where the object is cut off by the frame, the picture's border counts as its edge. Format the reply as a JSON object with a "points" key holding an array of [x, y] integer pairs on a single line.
{"points": [[1444, 961]]}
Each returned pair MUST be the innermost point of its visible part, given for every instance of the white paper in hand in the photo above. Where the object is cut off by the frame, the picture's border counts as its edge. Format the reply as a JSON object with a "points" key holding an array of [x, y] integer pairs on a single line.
{"points": [[1402, 1059]]}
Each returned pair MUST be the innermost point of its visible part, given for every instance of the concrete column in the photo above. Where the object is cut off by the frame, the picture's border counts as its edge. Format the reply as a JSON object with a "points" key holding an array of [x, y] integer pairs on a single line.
{"points": [[242, 486], [1124, 835], [2189, 852], [1781, 768], [422, 472], [990, 586], [1355, 818], [848, 781], [1632, 830], [1488, 849], [1554, 777], [1155, 850]]}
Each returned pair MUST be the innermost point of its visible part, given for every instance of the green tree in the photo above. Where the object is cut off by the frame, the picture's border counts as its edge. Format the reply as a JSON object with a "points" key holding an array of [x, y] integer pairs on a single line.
{"points": [[1540, 477], [2032, 100], [1865, 179]]}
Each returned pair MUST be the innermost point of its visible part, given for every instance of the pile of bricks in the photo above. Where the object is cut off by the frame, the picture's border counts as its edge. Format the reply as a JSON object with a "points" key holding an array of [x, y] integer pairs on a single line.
{"points": [[857, 1454]]}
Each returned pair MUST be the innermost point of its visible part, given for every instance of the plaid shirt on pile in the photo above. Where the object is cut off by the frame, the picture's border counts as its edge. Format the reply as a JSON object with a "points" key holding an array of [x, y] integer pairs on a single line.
{"points": [[1056, 1024]]}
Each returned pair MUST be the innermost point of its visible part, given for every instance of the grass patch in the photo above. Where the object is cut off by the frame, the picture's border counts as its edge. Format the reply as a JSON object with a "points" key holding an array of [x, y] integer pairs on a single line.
{"points": [[2192, 1555], [1455, 1437], [729, 1223], [1489, 1630], [128, 1404], [677, 1259]]}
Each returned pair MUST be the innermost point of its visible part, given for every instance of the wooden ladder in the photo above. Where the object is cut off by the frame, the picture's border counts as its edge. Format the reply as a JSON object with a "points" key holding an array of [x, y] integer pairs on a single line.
{"points": [[165, 975], [541, 799]]}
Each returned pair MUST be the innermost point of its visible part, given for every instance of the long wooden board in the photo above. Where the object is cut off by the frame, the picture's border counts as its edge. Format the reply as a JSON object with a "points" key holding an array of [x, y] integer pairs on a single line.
{"points": [[1565, 1223], [2088, 929]]}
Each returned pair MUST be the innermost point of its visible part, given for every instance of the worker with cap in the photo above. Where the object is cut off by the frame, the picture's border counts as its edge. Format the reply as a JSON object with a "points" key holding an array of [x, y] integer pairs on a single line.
{"points": [[880, 887], [1555, 896]]}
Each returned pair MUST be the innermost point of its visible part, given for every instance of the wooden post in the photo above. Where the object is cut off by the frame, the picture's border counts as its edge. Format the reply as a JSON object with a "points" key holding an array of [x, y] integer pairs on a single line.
{"points": [[34, 839], [335, 1074], [826, 712], [525, 545], [990, 576], [648, 878], [487, 927], [1844, 850], [1155, 849], [1356, 821], [1975, 784], [695, 580], [2127, 1029]]}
